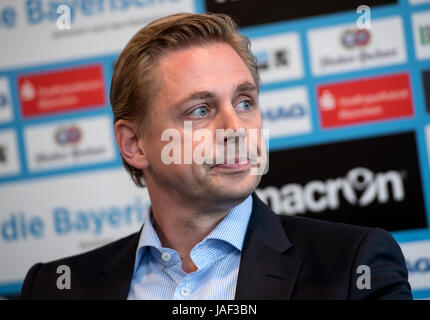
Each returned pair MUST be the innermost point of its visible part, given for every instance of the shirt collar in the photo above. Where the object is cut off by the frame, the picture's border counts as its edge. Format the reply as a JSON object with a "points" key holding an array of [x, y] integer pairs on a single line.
{"points": [[231, 229]]}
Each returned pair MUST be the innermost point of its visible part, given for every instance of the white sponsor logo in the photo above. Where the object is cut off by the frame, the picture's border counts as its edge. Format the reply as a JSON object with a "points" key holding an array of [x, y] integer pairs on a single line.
{"points": [[279, 57], [99, 28], [417, 255], [361, 187], [327, 101], [347, 48], [9, 161], [69, 143], [421, 25], [286, 112], [6, 113], [27, 91]]}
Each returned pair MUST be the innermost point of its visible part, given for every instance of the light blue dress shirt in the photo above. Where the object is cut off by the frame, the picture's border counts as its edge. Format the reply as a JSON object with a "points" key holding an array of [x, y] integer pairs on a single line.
{"points": [[158, 271]]}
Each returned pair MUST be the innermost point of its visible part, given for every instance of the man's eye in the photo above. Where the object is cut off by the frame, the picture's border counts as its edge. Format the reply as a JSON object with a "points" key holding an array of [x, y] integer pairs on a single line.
{"points": [[201, 111], [245, 105]]}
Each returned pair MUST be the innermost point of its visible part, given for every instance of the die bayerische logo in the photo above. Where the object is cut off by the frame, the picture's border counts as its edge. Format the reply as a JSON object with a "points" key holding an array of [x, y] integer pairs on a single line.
{"points": [[68, 135], [355, 38]]}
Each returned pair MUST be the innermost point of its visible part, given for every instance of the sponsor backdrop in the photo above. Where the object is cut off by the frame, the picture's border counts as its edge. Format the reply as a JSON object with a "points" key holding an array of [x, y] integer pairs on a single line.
{"points": [[345, 95]]}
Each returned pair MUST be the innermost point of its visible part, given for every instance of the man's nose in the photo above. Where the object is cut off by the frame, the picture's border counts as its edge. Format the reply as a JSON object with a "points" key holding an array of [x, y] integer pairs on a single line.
{"points": [[229, 120]]}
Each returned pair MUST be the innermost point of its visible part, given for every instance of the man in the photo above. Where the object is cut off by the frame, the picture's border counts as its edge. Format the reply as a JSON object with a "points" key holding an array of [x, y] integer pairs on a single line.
{"points": [[207, 235]]}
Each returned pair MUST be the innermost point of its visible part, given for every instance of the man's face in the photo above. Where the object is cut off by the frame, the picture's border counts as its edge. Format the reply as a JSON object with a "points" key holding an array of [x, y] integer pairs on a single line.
{"points": [[211, 88]]}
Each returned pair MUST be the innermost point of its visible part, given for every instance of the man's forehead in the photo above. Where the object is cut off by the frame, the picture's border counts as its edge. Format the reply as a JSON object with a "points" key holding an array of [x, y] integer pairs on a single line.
{"points": [[199, 61], [202, 71]]}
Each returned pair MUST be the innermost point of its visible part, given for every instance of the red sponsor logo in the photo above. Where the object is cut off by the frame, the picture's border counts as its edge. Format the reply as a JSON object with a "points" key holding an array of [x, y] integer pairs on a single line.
{"points": [[365, 100], [52, 92]]}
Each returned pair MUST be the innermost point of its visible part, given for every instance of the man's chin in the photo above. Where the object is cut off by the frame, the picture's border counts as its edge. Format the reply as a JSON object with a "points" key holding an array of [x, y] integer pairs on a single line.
{"points": [[227, 190]]}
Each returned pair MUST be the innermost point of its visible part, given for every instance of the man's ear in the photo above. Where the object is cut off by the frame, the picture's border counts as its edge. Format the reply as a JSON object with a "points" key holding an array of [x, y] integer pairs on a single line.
{"points": [[130, 146]]}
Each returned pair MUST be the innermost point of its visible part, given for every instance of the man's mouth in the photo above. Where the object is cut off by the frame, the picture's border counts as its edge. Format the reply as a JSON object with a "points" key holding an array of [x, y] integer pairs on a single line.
{"points": [[234, 166]]}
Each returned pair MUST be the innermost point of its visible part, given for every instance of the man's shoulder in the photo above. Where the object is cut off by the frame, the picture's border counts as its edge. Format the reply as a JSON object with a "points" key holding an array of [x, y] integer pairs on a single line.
{"points": [[97, 256], [313, 226], [41, 280], [307, 233], [336, 251]]}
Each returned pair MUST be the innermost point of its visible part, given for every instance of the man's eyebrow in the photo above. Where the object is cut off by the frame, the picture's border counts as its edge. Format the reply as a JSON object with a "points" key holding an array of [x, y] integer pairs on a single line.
{"points": [[203, 95], [246, 86], [200, 95]]}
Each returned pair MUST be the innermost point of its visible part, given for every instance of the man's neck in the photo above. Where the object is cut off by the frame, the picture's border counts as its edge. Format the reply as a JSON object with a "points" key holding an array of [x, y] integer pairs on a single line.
{"points": [[181, 228]]}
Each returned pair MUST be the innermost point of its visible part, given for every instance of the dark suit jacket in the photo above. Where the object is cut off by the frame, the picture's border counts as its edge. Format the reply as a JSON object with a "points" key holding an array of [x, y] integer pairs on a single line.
{"points": [[283, 257]]}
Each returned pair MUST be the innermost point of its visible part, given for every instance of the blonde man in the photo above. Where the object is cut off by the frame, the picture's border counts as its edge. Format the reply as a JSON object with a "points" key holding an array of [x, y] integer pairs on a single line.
{"points": [[206, 234]]}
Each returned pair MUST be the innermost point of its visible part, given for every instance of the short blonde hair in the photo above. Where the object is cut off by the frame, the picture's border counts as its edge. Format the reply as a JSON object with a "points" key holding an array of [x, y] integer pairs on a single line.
{"points": [[134, 84]]}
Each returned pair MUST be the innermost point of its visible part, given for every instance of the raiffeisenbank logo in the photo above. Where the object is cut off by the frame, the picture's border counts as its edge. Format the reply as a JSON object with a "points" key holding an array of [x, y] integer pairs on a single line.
{"points": [[359, 187], [346, 48]]}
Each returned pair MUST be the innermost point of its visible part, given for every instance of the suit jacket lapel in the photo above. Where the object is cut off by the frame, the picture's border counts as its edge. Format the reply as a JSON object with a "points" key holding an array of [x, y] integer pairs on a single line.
{"points": [[115, 277], [267, 269]]}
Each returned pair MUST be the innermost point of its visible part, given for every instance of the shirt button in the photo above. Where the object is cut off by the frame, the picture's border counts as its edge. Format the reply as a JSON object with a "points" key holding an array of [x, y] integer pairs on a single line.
{"points": [[165, 256], [185, 292]]}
